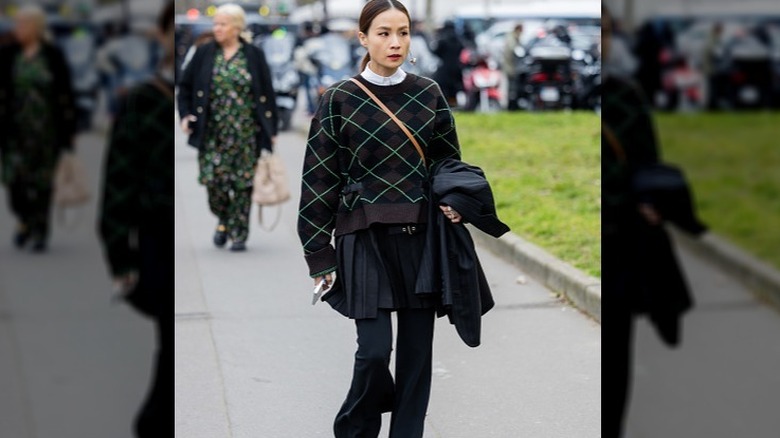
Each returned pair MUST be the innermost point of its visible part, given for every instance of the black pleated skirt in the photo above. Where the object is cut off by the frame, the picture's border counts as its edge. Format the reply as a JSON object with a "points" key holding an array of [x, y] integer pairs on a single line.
{"points": [[377, 270]]}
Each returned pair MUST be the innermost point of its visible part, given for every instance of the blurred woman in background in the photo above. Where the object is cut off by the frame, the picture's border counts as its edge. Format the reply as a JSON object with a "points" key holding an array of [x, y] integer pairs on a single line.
{"points": [[228, 107], [37, 113]]}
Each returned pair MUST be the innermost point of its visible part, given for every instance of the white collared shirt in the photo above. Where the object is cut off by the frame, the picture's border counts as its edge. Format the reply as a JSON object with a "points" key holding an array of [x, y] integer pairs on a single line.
{"points": [[395, 79]]}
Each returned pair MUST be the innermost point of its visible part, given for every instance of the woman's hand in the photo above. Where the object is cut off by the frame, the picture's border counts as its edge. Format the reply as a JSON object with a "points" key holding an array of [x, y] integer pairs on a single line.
{"points": [[124, 284], [650, 214], [185, 123], [328, 280], [451, 214]]}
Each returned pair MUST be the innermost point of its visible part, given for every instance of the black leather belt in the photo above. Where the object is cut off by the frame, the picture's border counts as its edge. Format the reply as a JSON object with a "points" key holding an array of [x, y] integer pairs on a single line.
{"points": [[406, 229]]}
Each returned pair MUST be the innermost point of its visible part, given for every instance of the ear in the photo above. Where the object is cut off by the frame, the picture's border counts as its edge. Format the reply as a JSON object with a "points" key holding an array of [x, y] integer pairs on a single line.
{"points": [[362, 38]]}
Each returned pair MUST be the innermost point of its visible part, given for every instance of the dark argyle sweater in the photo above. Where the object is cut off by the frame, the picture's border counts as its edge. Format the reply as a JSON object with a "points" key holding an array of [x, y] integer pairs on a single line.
{"points": [[361, 169], [139, 176]]}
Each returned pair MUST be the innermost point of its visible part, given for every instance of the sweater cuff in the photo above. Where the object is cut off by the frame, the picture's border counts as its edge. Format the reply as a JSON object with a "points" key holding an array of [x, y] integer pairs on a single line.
{"points": [[321, 262]]}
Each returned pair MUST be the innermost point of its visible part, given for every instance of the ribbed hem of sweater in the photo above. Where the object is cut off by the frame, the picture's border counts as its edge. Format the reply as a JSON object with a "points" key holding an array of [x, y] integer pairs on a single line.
{"points": [[321, 262], [371, 214], [324, 261]]}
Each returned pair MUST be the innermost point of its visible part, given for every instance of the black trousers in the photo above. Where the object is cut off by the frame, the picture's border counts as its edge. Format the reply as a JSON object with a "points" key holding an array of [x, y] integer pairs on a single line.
{"points": [[618, 340], [232, 206], [31, 205], [156, 416], [373, 389]]}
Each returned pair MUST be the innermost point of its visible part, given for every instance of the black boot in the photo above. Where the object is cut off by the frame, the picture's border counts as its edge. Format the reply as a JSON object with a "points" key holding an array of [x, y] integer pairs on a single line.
{"points": [[238, 246], [220, 236], [39, 244], [21, 236]]}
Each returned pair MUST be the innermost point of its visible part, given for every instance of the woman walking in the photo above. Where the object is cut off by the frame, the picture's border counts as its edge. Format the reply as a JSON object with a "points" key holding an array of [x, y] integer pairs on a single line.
{"points": [[228, 107], [137, 200], [365, 182], [37, 113]]}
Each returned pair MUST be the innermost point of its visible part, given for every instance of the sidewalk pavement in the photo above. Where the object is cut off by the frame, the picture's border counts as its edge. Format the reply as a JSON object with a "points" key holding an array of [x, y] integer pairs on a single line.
{"points": [[72, 365], [723, 381], [255, 359]]}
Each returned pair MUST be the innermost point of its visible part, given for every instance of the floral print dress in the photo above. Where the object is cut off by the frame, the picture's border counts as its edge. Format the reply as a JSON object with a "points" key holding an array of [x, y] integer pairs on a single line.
{"points": [[228, 158], [32, 155]]}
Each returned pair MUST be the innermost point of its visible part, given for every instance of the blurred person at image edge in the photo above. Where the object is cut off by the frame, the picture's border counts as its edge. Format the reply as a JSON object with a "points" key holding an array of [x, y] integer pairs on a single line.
{"points": [[136, 223], [641, 275]]}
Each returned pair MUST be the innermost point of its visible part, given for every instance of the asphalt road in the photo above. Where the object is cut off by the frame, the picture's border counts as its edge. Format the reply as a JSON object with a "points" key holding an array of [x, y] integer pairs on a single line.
{"points": [[255, 359]]}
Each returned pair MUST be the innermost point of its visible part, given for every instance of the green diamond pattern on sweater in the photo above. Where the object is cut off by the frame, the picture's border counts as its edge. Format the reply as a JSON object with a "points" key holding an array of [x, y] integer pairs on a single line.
{"points": [[139, 175], [353, 142]]}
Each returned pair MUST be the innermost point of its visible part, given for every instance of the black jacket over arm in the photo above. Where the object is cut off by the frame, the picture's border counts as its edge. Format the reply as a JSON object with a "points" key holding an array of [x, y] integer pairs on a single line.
{"points": [[65, 112], [195, 86], [464, 290]]}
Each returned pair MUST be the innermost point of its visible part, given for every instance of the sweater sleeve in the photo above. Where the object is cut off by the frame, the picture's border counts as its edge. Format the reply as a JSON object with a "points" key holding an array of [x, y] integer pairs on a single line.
{"points": [[444, 143], [120, 199], [320, 188]]}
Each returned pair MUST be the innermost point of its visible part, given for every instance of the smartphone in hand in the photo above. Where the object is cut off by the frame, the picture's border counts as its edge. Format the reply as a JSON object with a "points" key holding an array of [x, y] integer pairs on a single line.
{"points": [[322, 287]]}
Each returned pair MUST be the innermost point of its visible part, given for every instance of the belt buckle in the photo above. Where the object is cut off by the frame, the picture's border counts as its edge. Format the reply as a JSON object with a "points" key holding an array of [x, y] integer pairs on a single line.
{"points": [[410, 229]]}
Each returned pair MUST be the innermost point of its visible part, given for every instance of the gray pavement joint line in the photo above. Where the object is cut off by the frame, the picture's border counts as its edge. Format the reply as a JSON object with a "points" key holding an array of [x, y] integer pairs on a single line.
{"points": [[193, 254], [581, 291], [16, 360]]}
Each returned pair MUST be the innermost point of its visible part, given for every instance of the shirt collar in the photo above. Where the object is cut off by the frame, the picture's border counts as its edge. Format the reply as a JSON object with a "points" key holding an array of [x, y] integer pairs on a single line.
{"points": [[395, 79]]}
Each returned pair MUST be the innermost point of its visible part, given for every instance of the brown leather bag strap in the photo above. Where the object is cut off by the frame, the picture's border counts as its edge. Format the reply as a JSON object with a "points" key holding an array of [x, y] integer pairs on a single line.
{"points": [[163, 87], [393, 117], [614, 143]]}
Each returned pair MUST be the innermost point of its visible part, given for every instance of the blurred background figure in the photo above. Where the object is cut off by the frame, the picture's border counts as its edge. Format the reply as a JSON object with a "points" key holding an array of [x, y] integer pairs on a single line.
{"points": [[511, 47], [202, 39], [621, 62], [333, 57], [127, 60], [136, 218], [38, 113], [306, 68], [448, 47], [713, 53], [227, 106], [279, 48]]}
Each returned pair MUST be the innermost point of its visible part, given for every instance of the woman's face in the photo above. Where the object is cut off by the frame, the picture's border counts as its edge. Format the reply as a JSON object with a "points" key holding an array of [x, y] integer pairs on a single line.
{"points": [[26, 29], [387, 41], [225, 29]]}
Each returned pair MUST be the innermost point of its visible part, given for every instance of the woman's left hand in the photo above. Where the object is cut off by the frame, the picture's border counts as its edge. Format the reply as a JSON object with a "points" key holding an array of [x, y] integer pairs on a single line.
{"points": [[451, 214]]}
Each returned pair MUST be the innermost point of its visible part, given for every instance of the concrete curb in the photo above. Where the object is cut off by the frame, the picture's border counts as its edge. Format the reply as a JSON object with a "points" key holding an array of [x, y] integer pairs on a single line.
{"points": [[758, 276], [581, 290]]}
